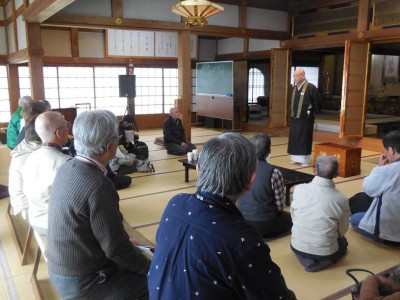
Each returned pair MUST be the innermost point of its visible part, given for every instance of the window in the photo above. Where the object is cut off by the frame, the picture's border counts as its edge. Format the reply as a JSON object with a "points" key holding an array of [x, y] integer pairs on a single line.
{"points": [[156, 90], [256, 85], [107, 89], [24, 81], [258, 78], [311, 74], [98, 87], [4, 96]]}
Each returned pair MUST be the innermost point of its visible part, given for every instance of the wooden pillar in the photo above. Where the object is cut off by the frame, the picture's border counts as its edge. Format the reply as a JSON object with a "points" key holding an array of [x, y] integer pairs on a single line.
{"points": [[13, 86], [35, 60], [185, 81], [363, 14]]}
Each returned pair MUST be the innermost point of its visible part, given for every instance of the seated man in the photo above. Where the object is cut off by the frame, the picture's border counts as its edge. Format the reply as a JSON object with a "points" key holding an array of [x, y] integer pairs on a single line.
{"points": [[381, 221], [320, 215], [42, 166], [263, 205], [205, 249], [174, 134], [90, 255], [14, 126]]}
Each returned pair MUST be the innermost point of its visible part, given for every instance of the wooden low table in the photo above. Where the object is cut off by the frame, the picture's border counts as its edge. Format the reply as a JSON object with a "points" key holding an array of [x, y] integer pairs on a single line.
{"points": [[290, 177], [188, 165]]}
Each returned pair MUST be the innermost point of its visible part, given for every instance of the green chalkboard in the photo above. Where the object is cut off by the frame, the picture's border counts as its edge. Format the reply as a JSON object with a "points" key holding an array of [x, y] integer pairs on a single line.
{"points": [[214, 78]]}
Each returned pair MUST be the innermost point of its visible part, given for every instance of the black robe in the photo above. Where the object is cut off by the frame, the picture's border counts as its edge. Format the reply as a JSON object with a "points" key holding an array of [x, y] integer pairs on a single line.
{"points": [[301, 129]]}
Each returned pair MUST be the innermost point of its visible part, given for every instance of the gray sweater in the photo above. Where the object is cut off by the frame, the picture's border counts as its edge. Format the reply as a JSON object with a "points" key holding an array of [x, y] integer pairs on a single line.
{"points": [[86, 233]]}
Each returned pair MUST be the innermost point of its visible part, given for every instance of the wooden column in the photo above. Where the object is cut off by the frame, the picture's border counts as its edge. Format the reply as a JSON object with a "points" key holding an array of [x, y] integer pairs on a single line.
{"points": [[13, 86], [185, 81], [75, 42], [363, 13], [35, 60]]}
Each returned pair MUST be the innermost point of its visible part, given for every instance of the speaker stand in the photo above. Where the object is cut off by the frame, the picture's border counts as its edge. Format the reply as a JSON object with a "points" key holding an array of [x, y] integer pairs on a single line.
{"points": [[132, 114]]}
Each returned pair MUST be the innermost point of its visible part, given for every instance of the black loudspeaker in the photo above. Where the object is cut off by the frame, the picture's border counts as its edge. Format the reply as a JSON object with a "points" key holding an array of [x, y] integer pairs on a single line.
{"points": [[127, 86]]}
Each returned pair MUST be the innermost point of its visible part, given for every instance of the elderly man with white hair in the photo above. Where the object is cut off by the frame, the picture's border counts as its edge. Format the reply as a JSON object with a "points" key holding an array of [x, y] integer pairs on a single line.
{"points": [[205, 249], [42, 167], [320, 215], [90, 255]]}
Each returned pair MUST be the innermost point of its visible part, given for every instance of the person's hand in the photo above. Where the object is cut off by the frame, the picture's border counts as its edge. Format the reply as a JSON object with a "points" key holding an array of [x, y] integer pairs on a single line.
{"points": [[383, 160], [183, 144]]}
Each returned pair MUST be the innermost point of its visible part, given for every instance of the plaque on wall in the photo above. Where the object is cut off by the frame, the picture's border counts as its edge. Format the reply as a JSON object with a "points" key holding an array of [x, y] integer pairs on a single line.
{"points": [[130, 43], [167, 44], [141, 43]]}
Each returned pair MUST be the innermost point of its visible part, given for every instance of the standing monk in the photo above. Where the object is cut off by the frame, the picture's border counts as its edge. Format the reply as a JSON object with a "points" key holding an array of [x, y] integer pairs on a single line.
{"points": [[305, 100]]}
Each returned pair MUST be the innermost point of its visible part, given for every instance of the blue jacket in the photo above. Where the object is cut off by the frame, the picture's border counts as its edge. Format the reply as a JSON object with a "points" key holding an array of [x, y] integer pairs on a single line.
{"points": [[205, 250]]}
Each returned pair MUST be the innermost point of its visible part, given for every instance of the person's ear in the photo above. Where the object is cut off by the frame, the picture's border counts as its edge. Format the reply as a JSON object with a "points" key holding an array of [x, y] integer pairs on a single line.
{"points": [[391, 150], [252, 180], [109, 146]]}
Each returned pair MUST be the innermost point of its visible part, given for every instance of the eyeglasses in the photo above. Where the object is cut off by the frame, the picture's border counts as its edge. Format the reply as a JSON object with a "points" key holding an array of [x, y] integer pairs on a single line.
{"points": [[295, 76]]}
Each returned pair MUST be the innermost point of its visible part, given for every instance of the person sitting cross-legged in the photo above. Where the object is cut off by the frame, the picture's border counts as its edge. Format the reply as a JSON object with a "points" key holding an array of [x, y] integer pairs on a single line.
{"points": [[263, 205], [174, 134], [320, 215]]}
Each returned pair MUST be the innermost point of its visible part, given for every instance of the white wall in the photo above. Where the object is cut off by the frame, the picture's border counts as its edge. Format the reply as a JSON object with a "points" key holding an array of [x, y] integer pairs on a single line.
{"points": [[101, 8], [18, 3], [229, 17], [231, 45], [11, 40], [56, 43], [266, 19], [91, 44], [3, 45], [207, 50], [21, 30], [8, 10], [259, 45], [159, 10]]}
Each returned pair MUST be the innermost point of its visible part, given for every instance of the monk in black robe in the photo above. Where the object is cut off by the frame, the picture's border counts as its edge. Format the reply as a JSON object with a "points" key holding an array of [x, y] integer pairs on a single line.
{"points": [[305, 100]]}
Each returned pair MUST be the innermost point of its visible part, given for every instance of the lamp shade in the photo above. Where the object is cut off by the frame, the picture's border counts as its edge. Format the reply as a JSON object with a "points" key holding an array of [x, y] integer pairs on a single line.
{"points": [[196, 11]]}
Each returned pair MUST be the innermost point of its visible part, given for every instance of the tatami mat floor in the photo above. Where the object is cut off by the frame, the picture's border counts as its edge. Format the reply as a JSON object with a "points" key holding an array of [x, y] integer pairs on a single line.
{"points": [[143, 203]]}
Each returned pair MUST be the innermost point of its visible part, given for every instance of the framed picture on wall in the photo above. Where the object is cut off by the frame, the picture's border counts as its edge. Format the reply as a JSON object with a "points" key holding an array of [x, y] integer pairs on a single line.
{"points": [[390, 70]]}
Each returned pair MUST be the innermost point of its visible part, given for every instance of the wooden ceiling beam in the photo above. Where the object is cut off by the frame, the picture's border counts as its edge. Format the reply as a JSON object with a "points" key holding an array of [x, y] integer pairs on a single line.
{"points": [[389, 34], [298, 6], [62, 20], [40, 10], [18, 57], [264, 4], [319, 42]]}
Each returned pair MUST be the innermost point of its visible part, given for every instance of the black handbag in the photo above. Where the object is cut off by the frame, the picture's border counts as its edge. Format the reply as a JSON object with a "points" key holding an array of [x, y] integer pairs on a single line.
{"points": [[356, 289]]}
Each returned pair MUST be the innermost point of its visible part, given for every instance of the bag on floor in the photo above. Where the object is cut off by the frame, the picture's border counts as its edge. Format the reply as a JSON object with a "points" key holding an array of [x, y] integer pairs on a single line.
{"points": [[356, 289], [144, 166], [141, 150]]}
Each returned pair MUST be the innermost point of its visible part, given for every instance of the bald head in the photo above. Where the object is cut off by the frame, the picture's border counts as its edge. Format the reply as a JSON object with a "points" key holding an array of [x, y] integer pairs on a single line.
{"points": [[299, 76], [51, 127]]}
